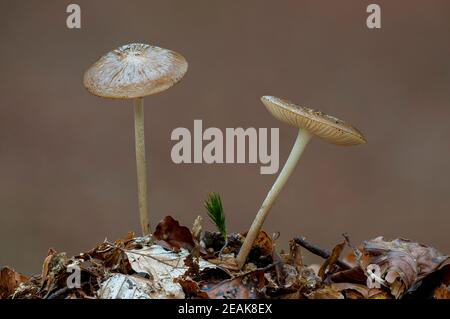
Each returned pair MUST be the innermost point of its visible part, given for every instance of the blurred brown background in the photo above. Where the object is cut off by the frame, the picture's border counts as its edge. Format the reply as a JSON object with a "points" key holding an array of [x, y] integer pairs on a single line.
{"points": [[67, 166]]}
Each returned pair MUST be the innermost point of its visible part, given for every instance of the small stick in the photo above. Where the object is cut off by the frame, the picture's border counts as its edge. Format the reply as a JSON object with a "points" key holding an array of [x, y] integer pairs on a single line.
{"points": [[320, 252]]}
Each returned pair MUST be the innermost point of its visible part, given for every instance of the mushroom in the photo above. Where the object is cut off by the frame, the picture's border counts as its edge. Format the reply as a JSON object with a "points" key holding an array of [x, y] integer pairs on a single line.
{"points": [[310, 123], [133, 71]]}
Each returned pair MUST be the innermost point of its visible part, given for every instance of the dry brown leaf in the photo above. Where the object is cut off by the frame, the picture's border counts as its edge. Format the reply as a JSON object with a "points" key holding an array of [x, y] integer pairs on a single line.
{"points": [[376, 293], [248, 286], [45, 265], [171, 235], [402, 262], [191, 289], [326, 292], [309, 281], [442, 292], [353, 275], [349, 288], [9, 281], [264, 243], [330, 261], [112, 256]]}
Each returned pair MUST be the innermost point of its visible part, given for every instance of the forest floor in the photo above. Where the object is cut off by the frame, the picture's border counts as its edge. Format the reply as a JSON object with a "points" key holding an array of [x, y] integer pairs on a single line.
{"points": [[178, 262]]}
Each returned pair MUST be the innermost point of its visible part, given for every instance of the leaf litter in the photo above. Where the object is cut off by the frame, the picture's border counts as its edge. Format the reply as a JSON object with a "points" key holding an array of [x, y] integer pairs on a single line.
{"points": [[175, 263]]}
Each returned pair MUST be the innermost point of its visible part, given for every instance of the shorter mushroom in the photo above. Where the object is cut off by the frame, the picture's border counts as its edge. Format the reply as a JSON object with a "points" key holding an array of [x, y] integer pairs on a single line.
{"points": [[310, 123]]}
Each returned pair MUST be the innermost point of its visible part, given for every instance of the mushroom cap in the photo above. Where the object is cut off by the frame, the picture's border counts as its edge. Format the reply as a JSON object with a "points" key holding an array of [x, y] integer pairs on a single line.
{"points": [[134, 70], [327, 127]]}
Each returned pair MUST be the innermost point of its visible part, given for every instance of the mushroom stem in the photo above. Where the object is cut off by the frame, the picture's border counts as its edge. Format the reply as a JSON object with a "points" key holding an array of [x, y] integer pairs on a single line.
{"points": [[141, 165], [302, 140]]}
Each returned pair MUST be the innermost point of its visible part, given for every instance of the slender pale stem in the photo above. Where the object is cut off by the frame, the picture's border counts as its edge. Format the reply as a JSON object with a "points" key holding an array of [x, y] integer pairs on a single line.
{"points": [[141, 165], [302, 140]]}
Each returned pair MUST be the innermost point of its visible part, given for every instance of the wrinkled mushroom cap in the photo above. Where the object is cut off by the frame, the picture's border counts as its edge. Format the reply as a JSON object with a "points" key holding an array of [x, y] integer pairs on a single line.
{"points": [[134, 70], [320, 124]]}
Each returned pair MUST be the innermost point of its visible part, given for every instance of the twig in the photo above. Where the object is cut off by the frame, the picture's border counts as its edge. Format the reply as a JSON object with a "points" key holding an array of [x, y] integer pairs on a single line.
{"points": [[316, 250], [356, 251]]}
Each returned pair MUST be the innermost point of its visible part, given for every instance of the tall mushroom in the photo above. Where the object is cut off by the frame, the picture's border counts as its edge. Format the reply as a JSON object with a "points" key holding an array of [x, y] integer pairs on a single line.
{"points": [[133, 71], [310, 123]]}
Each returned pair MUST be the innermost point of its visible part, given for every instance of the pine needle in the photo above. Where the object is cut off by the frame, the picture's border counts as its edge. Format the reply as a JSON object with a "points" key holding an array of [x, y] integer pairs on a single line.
{"points": [[213, 205]]}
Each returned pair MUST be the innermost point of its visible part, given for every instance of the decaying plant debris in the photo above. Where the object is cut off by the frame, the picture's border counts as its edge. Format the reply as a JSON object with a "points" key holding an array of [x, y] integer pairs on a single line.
{"points": [[172, 263]]}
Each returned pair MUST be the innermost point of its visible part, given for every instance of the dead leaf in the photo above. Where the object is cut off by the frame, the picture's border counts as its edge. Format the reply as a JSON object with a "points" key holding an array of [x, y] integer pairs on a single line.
{"points": [[120, 286], [349, 288], [248, 286], [402, 262], [264, 243], [226, 262], [111, 255], [442, 292], [191, 262], [163, 266], [376, 293], [9, 282], [353, 275], [173, 236], [330, 261], [326, 292], [192, 289], [309, 281]]}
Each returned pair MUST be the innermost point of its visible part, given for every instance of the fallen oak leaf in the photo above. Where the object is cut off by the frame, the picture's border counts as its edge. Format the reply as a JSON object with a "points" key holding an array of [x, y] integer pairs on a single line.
{"points": [[171, 235]]}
